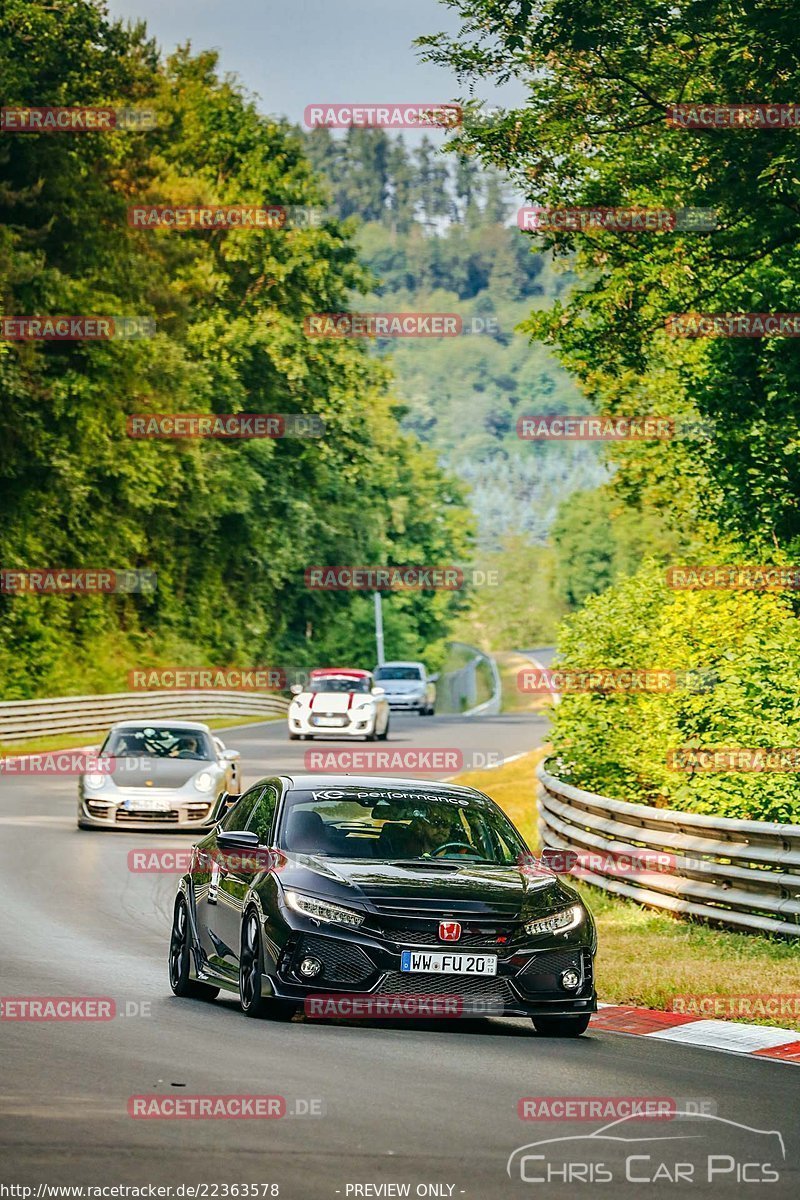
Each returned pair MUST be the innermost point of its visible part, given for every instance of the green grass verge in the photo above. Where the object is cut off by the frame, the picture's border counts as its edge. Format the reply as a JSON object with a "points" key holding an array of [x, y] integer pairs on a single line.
{"points": [[646, 957]]}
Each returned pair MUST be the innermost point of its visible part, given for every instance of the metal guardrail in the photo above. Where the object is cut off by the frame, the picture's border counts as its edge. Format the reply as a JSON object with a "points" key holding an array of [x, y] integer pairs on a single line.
{"points": [[458, 690], [741, 874], [21, 720]]}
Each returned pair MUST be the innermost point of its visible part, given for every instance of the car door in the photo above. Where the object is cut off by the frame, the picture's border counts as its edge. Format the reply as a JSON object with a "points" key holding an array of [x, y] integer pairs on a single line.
{"points": [[212, 928], [241, 867]]}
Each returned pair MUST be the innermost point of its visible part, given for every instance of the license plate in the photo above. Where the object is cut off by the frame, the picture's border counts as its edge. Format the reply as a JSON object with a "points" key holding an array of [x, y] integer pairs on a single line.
{"points": [[146, 804], [330, 721], [448, 963]]}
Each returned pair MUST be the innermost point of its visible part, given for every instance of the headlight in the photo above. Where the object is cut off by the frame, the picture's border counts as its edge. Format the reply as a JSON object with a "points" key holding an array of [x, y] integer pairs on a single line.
{"points": [[323, 910], [568, 918], [95, 780], [363, 704], [204, 781]]}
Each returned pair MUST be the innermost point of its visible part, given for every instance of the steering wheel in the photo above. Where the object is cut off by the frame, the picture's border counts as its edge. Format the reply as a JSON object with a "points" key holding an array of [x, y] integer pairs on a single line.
{"points": [[449, 845]]}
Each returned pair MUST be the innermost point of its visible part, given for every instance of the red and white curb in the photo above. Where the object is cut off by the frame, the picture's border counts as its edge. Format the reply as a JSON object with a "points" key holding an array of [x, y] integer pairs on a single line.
{"points": [[734, 1037]]}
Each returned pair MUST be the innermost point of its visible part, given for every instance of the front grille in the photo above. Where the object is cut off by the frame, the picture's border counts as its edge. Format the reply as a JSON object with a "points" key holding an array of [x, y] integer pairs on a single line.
{"points": [[124, 814], [454, 909], [543, 972], [484, 987], [475, 935], [341, 962], [95, 809]]}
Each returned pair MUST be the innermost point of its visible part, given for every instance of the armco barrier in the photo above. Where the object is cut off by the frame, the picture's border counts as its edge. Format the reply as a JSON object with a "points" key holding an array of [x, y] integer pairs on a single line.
{"points": [[21, 720], [742, 874], [458, 690]]}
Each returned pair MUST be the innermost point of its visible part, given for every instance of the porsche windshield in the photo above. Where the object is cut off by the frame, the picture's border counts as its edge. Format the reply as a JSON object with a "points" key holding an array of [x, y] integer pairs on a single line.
{"points": [[399, 825], [339, 683], [399, 673], [159, 741]]}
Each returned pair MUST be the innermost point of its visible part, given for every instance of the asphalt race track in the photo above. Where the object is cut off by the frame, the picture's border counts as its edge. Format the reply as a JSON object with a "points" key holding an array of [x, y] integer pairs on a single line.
{"points": [[401, 1103]]}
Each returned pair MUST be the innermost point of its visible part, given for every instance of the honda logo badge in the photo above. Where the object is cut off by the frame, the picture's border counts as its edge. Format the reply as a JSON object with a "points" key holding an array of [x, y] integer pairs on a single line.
{"points": [[449, 931]]}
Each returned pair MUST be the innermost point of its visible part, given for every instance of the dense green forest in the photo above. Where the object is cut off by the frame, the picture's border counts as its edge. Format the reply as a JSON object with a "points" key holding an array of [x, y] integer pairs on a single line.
{"points": [[228, 527], [438, 233], [593, 132]]}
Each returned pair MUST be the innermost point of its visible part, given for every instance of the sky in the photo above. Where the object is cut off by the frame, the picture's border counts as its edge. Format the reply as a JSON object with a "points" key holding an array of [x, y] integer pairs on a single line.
{"points": [[306, 51]]}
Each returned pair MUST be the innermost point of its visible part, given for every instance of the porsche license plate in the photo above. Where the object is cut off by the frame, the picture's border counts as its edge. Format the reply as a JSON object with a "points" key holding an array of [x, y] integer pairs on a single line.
{"points": [[146, 804], [448, 963]]}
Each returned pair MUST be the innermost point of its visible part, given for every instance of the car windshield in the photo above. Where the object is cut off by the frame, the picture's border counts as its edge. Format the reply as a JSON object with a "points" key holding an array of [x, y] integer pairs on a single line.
{"points": [[397, 825], [339, 683], [398, 673], [159, 741]]}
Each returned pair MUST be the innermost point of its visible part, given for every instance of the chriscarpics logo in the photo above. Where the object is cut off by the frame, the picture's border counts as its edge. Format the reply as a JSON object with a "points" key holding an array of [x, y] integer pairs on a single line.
{"points": [[689, 1146]]}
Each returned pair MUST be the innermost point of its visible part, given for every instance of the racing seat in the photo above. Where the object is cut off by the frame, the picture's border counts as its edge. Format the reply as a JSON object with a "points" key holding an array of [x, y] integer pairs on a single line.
{"points": [[306, 832]]}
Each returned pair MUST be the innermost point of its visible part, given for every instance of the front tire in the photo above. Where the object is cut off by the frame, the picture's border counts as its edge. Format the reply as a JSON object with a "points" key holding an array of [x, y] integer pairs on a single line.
{"points": [[180, 956], [382, 737], [250, 998], [561, 1026]]}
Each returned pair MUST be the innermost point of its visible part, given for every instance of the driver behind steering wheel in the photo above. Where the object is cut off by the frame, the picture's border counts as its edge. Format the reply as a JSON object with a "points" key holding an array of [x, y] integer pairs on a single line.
{"points": [[440, 827]]}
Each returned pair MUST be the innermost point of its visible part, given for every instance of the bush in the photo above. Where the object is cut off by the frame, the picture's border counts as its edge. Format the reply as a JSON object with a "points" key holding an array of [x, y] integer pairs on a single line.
{"points": [[743, 648]]}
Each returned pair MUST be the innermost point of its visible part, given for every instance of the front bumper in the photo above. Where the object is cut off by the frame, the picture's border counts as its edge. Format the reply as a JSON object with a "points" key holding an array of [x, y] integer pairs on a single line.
{"points": [[99, 812], [407, 703], [364, 963], [356, 725]]}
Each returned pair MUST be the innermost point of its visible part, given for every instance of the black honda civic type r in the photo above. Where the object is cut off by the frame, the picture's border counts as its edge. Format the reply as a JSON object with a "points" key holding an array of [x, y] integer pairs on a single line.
{"points": [[314, 889]]}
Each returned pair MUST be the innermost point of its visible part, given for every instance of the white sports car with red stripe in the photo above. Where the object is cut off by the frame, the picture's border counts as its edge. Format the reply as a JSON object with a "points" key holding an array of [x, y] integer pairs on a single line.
{"points": [[339, 702]]}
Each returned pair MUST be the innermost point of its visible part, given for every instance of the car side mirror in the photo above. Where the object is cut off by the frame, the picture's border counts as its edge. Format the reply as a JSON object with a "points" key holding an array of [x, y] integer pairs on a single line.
{"points": [[433, 678], [230, 755], [379, 691], [296, 689], [238, 839]]}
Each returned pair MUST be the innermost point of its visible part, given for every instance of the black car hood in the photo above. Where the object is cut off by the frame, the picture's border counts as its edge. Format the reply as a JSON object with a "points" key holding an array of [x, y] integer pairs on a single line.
{"points": [[398, 888], [157, 772]]}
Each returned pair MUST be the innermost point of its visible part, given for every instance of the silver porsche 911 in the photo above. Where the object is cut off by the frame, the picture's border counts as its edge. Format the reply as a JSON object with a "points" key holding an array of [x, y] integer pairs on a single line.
{"points": [[163, 774]]}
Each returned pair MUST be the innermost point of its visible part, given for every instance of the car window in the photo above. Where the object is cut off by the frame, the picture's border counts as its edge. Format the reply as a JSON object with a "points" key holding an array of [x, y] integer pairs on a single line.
{"points": [[339, 683], [260, 820], [159, 741], [409, 673], [238, 816]]}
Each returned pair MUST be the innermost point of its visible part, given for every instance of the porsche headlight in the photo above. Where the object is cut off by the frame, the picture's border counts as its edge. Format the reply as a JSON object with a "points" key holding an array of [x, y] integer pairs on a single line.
{"points": [[323, 910], [557, 922], [204, 781], [95, 780]]}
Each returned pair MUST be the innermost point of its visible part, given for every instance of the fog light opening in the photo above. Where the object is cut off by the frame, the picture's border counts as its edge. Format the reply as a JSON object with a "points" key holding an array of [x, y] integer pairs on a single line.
{"points": [[570, 980], [309, 967]]}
